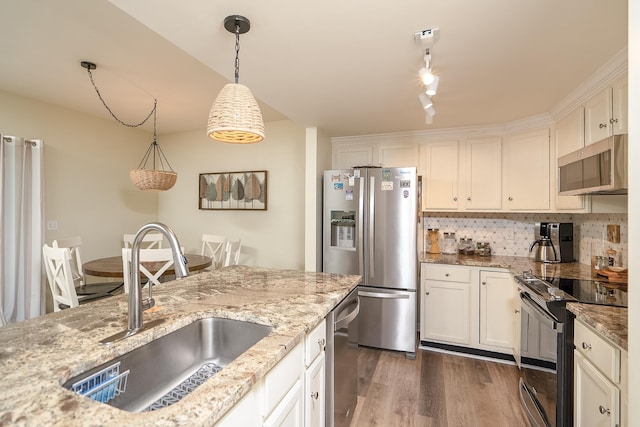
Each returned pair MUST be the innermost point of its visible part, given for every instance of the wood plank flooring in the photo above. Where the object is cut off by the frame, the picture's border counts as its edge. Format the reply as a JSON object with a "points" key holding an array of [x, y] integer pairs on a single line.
{"points": [[435, 389]]}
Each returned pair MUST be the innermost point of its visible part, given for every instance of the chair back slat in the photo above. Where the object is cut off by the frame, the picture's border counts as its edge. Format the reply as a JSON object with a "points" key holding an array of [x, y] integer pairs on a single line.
{"points": [[214, 246]]}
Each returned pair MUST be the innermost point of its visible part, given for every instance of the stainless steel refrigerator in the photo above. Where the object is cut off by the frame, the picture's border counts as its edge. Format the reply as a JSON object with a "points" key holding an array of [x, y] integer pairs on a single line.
{"points": [[370, 229]]}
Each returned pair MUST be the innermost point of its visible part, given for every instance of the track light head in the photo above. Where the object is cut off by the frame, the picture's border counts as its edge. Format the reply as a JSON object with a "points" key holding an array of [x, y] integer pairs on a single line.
{"points": [[432, 88], [425, 100], [426, 76]]}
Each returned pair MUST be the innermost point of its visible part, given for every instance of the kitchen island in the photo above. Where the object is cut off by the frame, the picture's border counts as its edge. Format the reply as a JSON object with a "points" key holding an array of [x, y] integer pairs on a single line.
{"points": [[39, 355]]}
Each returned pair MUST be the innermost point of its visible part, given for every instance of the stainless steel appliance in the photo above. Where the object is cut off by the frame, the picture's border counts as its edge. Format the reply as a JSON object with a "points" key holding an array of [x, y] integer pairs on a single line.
{"points": [[554, 241], [370, 229], [341, 380], [598, 168], [546, 342]]}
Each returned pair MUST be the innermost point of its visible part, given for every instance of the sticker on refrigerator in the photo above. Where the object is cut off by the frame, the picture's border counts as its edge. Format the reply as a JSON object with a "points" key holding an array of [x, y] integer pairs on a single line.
{"points": [[405, 183], [352, 181], [386, 174], [386, 185], [356, 173], [349, 195], [405, 194], [337, 186], [335, 178]]}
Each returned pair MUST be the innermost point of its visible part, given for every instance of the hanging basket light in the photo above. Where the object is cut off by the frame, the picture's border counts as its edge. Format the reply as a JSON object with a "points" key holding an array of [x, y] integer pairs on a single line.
{"points": [[235, 116], [158, 177]]}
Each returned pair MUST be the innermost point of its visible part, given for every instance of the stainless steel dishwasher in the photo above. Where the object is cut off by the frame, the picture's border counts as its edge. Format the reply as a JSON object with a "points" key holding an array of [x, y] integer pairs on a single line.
{"points": [[342, 361]]}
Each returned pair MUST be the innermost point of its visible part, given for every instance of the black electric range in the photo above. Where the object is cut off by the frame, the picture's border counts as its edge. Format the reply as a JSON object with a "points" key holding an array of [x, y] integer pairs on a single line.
{"points": [[600, 292]]}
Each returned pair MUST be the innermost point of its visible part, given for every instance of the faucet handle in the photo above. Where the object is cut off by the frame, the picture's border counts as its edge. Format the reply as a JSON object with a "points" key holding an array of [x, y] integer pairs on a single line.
{"points": [[147, 303]]}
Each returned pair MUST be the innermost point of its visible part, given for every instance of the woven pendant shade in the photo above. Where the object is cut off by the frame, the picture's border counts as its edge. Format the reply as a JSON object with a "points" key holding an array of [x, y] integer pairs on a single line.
{"points": [[235, 116]]}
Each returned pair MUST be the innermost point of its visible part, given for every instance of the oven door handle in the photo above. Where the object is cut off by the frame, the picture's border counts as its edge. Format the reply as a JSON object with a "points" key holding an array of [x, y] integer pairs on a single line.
{"points": [[539, 313]]}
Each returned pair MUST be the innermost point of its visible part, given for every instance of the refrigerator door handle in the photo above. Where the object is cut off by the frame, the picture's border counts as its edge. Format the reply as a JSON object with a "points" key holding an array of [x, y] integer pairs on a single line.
{"points": [[359, 237], [372, 220], [383, 295]]}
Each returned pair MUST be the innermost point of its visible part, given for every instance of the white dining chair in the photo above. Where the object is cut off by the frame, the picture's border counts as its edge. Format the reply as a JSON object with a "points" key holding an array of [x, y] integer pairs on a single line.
{"points": [[214, 246], [149, 240], [57, 262], [58, 267], [79, 279], [163, 258], [232, 253]]}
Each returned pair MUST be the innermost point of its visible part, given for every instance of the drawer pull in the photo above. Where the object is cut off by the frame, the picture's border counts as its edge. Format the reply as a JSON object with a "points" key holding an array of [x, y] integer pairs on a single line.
{"points": [[426, 293], [446, 274], [604, 410], [516, 311], [315, 396], [586, 346]]}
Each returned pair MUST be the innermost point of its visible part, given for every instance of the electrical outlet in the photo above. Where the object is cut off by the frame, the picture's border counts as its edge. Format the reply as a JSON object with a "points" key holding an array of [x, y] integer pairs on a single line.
{"points": [[52, 225], [613, 233]]}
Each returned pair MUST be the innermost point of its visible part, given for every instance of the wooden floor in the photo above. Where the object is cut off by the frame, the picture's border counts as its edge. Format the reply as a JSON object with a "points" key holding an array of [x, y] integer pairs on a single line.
{"points": [[435, 389]]}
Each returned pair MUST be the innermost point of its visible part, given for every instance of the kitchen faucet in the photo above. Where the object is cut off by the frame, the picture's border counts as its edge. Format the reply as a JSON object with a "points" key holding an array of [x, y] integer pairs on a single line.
{"points": [[136, 305]]}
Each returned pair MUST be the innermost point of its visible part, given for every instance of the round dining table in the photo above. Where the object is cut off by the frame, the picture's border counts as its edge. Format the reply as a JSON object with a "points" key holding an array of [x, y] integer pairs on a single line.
{"points": [[112, 266]]}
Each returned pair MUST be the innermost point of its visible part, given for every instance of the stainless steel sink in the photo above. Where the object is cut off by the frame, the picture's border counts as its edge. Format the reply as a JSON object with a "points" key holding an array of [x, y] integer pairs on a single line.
{"points": [[165, 370]]}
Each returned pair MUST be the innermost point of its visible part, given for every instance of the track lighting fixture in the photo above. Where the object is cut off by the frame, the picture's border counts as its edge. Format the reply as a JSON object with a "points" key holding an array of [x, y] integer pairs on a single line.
{"points": [[427, 39]]}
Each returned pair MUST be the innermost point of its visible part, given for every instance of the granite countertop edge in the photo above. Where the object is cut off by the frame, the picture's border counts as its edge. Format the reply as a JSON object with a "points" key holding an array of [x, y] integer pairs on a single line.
{"points": [[37, 356], [611, 322]]}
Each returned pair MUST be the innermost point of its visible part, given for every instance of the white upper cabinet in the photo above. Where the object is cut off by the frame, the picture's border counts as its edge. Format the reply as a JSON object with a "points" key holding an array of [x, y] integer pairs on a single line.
{"points": [[526, 171], [569, 134], [440, 175], [483, 174], [606, 113], [346, 157], [398, 155]]}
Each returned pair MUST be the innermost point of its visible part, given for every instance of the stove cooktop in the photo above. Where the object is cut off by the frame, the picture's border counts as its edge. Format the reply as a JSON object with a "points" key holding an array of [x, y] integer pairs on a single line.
{"points": [[598, 292]]}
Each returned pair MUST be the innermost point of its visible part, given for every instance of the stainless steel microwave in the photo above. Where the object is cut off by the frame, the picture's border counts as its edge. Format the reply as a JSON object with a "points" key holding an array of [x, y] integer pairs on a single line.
{"points": [[598, 168]]}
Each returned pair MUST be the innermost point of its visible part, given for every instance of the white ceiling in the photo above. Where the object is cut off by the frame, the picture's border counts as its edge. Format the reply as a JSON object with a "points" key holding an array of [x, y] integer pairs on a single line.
{"points": [[346, 68]]}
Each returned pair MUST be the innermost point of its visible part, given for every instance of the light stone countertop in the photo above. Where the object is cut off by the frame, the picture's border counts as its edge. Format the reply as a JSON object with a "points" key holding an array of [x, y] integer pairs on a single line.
{"points": [[611, 322], [38, 355]]}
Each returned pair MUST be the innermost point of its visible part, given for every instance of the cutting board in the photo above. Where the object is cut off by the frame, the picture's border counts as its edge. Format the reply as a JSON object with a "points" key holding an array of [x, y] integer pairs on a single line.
{"points": [[613, 276]]}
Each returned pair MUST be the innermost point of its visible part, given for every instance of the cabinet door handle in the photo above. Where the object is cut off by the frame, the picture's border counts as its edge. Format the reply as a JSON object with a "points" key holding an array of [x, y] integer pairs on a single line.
{"points": [[446, 274], [516, 311], [604, 410], [586, 346], [455, 199], [469, 199], [321, 343], [426, 293], [612, 121], [484, 283], [510, 199], [315, 395], [602, 125]]}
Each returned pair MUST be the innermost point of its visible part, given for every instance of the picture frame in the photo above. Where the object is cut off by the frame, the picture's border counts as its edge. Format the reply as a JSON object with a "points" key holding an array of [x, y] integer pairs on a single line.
{"points": [[244, 190]]}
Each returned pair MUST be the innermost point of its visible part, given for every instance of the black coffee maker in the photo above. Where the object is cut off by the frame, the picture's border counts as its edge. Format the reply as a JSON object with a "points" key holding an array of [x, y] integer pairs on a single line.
{"points": [[554, 241]]}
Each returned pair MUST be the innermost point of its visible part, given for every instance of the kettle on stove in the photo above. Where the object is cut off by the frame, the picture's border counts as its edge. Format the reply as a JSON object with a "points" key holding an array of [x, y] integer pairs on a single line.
{"points": [[545, 251]]}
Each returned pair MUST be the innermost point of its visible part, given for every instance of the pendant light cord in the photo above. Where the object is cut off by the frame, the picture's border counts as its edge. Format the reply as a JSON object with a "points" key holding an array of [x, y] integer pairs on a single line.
{"points": [[237, 63], [153, 111]]}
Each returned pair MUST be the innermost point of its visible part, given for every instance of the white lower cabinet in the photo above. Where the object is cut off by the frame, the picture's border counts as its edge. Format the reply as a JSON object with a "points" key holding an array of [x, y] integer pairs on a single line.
{"points": [[496, 310], [468, 307], [600, 380], [292, 394]]}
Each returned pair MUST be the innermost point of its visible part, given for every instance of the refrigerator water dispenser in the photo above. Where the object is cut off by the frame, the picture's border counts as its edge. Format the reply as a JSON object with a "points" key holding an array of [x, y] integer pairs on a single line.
{"points": [[343, 229]]}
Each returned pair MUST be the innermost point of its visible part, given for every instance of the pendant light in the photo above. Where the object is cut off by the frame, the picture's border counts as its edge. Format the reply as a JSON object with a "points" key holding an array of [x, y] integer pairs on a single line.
{"points": [[235, 116], [143, 177]]}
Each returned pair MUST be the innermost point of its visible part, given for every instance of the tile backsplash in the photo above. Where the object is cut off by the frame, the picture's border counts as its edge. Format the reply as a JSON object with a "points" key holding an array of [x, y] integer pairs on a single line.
{"points": [[512, 234]]}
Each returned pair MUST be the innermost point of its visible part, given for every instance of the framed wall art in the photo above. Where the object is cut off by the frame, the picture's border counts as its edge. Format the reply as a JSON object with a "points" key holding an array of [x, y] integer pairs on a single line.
{"points": [[233, 190]]}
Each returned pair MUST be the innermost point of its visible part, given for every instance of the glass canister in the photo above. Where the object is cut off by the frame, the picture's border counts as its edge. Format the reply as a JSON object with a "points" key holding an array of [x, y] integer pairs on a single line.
{"points": [[449, 244], [466, 246], [434, 240]]}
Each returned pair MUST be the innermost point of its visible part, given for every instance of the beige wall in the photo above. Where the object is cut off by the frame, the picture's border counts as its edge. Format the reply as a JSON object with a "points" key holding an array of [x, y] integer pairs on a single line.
{"points": [[271, 238], [87, 162]]}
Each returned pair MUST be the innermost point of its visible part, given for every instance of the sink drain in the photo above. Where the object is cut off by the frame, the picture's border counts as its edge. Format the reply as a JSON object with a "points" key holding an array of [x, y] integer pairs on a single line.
{"points": [[205, 372]]}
